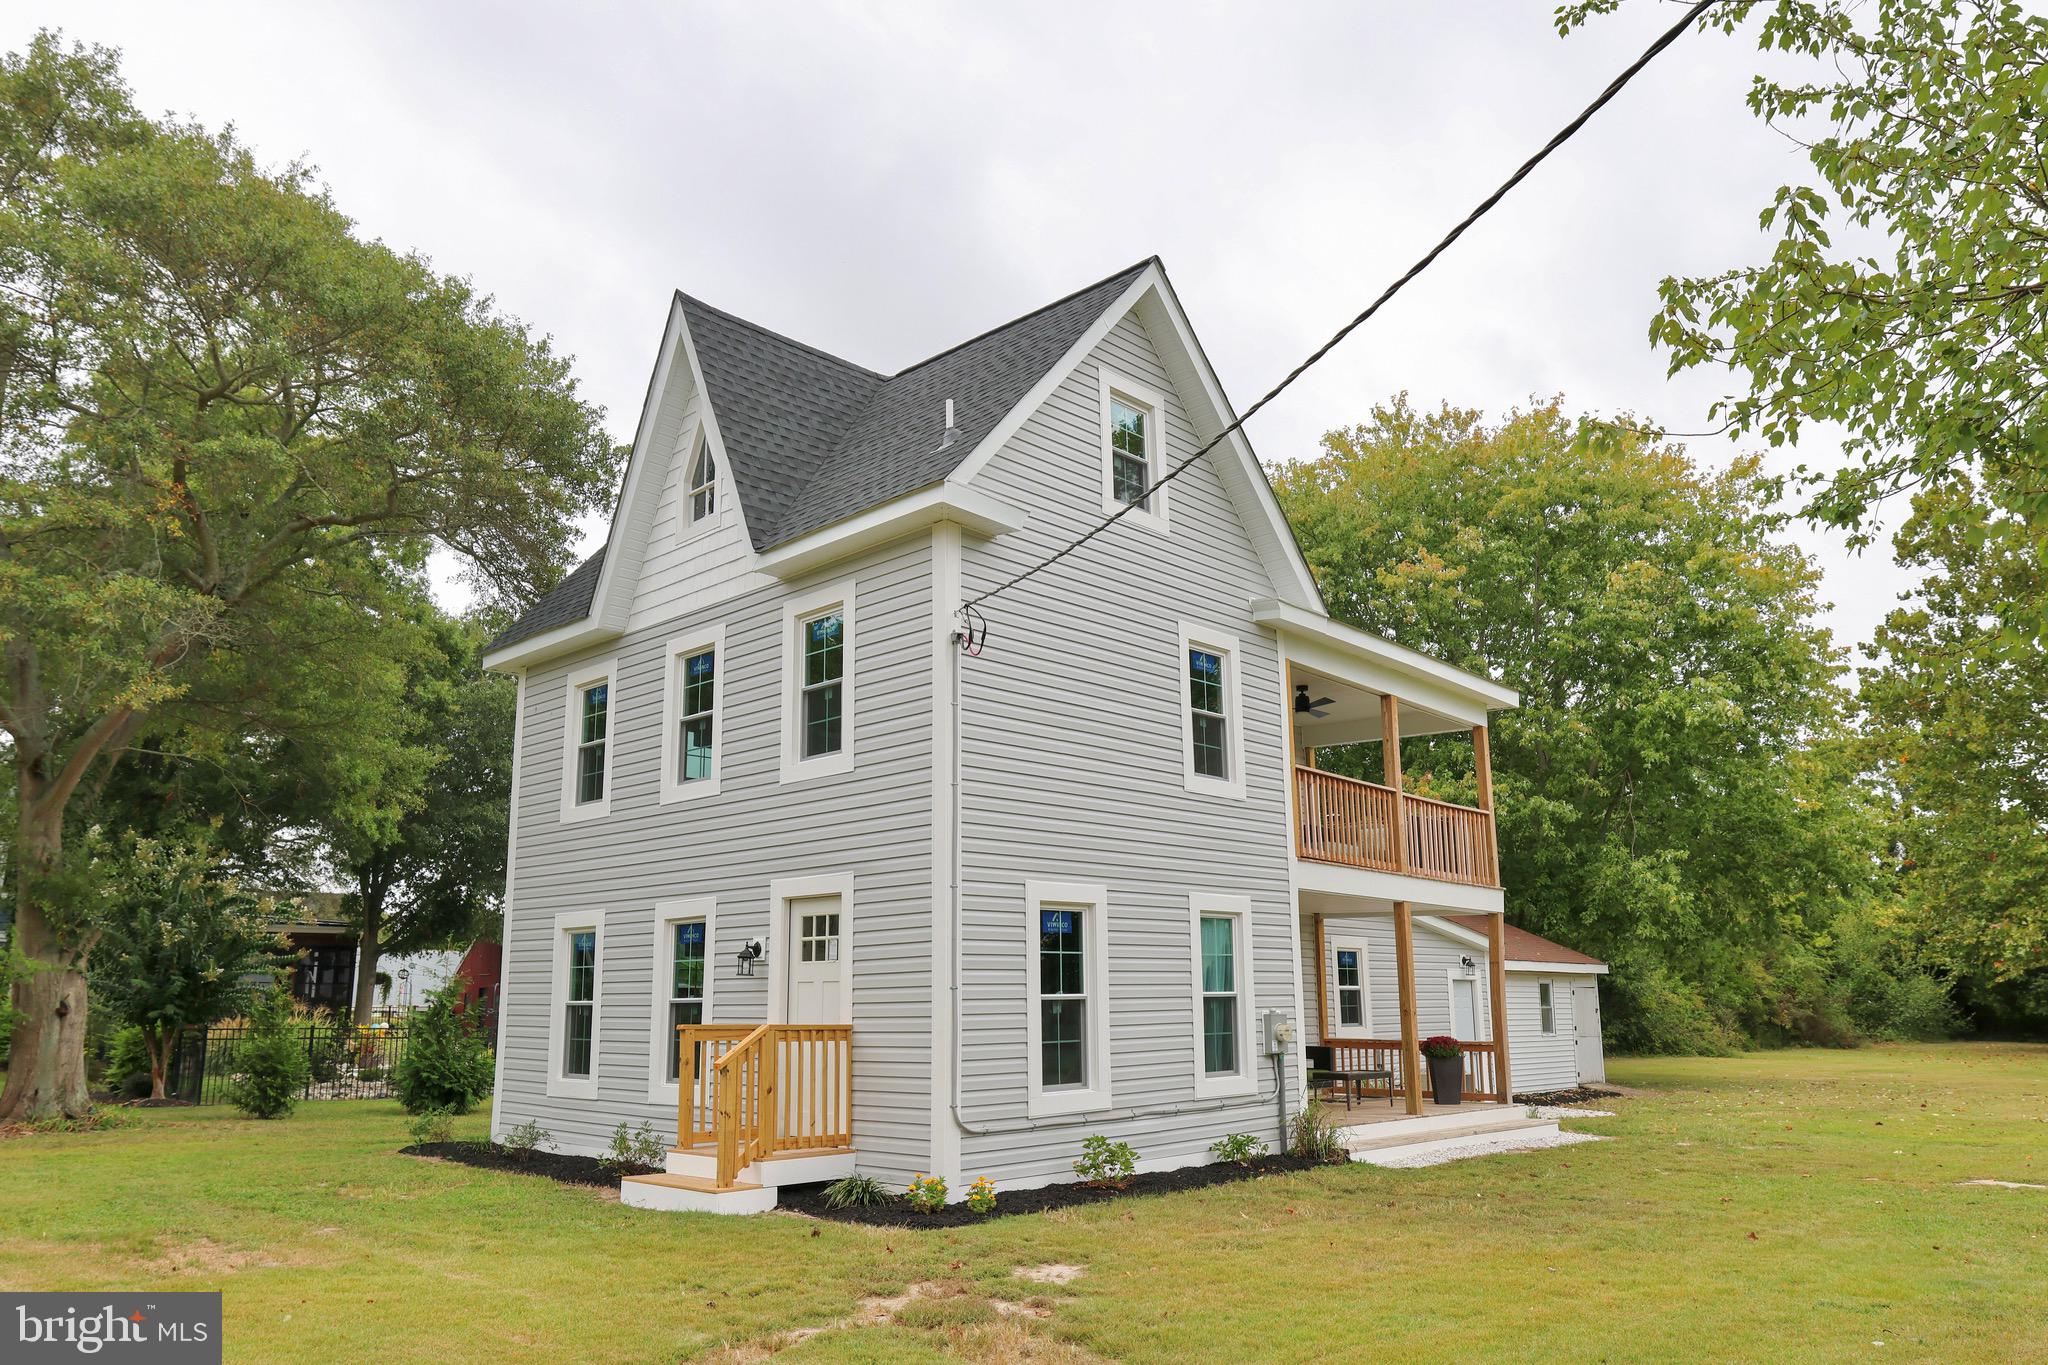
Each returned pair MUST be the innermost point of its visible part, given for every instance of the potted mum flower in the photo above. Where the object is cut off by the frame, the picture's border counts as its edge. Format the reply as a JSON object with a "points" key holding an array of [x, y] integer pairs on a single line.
{"points": [[1446, 1068]]}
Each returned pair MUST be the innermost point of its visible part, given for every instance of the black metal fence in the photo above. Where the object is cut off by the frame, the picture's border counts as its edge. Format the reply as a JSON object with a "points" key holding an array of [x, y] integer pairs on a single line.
{"points": [[342, 1062]]}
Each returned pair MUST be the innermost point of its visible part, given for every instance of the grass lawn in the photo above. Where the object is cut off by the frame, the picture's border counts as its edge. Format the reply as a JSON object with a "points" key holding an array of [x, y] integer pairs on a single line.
{"points": [[1782, 1206]]}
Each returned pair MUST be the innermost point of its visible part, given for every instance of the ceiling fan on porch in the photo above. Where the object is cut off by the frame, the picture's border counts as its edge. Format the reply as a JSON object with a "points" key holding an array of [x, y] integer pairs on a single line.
{"points": [[1304, 707]]}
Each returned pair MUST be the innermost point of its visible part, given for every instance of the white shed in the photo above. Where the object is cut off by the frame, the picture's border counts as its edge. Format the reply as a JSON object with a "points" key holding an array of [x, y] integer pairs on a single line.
{"points": [[1553, 996]]}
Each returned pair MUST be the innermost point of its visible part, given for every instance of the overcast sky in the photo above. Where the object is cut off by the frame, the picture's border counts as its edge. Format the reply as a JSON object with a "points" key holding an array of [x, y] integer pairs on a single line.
{"points": [[885, 180]]}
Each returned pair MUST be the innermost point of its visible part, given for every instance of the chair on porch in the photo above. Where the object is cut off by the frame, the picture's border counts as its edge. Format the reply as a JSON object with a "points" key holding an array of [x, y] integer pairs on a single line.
{"points": [[1324, 1075]]}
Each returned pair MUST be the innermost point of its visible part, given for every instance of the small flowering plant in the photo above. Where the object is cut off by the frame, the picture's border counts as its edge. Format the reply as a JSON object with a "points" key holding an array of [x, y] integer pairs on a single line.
{"points": [[927, 1193], [981, 1195], [1441, 1045]]}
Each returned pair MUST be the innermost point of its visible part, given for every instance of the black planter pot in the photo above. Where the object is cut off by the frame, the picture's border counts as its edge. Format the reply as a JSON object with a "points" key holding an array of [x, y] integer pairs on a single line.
{"points": [[1447, 1079]]}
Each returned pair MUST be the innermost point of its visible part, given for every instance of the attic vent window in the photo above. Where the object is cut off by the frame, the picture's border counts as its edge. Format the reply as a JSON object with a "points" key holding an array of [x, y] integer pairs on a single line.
{"points": [[703, 484]]}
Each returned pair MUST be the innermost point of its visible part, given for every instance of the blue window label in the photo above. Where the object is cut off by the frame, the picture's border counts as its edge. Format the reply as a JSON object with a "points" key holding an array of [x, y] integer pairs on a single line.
{"points": [[1055, 921], [691, 933]]}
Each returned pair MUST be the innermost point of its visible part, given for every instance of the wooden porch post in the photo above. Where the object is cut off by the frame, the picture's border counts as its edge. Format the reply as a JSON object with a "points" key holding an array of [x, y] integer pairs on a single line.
{"points": [[1482, 767], [1293, 757], [1390, 768], [1497, 991], [1322, 984], [1404, 961]]}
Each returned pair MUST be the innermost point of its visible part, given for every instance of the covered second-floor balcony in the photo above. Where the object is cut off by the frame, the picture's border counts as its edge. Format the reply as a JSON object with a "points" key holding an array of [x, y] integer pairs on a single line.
{"points": [[1346, 820]]}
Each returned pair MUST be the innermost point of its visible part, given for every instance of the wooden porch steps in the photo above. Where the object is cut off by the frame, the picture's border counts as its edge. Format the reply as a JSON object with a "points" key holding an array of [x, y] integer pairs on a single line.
{"points": [[694, 1194], [797, 1166]]}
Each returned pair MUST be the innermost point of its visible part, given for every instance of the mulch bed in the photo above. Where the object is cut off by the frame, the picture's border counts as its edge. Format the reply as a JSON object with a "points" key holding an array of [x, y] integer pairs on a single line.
{"points": [[1578, 1094], [561, 1166], [897, 1213]]}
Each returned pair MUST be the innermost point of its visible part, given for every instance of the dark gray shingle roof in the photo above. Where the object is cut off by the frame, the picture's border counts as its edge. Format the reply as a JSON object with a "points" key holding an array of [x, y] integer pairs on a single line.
{"points": [[812, 439]]}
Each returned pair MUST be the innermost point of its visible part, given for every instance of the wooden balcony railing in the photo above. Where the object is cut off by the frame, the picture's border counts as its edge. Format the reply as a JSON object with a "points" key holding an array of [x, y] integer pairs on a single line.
{"points": [[1482, 1065], [757, 1091], [1344, 820]]}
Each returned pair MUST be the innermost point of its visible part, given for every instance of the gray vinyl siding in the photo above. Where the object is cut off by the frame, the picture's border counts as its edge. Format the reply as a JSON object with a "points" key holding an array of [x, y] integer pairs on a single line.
{"points": [[1072, 771], [1436, 956], [1542, 1061], [873, 823]]}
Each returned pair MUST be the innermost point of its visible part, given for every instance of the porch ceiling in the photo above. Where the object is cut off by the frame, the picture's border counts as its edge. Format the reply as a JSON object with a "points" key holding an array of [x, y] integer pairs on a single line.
{"points": [[1337, 905], [1353, 715]]}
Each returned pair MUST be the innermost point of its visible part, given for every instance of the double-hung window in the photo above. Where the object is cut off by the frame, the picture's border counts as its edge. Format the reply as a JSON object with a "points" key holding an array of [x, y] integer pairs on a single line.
{"points": [[1350, 988], [824, 686], [703, 490], [578, 964], [1546, 1007], [1063, 996], [1212, 712], [691, 721], [1067, 1021], [685, 981], [588, 710], [1133, 449], [1222, 995], [818, 668], [683, 935]]}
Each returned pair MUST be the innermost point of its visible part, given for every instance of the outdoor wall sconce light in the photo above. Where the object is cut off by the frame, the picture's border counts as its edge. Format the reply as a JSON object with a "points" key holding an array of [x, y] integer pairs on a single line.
{"points": [[752, 951], [1468, 966]]}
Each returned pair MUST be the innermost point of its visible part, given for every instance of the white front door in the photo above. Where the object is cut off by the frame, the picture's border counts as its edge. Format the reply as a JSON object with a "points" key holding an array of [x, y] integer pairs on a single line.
{"points": [[1586, 1024], [1465, 1009], [817, 963]]}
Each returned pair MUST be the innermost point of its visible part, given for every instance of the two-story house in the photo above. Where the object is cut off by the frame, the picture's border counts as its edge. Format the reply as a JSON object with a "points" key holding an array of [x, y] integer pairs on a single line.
{"points": [[817, 877]]}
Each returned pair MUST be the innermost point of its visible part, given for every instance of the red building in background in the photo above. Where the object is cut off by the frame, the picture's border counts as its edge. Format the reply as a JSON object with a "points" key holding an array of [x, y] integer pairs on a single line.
{"points": [[477, 975]]}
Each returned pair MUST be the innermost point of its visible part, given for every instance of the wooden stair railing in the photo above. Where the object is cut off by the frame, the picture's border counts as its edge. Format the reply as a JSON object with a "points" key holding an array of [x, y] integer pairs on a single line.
{"points": [[772, 1088]]}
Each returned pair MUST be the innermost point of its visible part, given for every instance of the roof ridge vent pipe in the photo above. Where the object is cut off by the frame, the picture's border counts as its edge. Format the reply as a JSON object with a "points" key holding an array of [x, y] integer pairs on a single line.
{"points": [[952, 431]]}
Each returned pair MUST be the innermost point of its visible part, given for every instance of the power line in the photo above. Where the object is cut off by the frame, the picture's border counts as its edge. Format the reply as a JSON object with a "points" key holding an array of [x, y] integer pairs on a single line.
{"points": [[1564, 135]]}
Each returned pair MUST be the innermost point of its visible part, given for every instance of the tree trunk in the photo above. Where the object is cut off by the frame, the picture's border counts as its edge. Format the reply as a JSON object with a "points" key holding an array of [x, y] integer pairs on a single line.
{"points": [[366, 961], [48, 1061], [161, 1044], [46, 1064]]}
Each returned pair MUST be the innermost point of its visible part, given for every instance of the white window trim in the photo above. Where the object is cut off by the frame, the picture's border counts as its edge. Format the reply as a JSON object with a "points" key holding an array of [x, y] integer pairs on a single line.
{"points": [[1109, 382], [1093, 898], [795, 767], [668, 914], [780, 938], [1542, 986], [695, 440], [1193, 635], [1480, 1023], [558, 1085], [604, 671], [673, 788], [1352, 938], [1237, 909]]}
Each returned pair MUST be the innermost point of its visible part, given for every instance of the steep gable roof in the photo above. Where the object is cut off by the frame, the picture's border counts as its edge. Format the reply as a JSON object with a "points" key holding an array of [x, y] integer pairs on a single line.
{"points": [[567, 602], [813, 439]]}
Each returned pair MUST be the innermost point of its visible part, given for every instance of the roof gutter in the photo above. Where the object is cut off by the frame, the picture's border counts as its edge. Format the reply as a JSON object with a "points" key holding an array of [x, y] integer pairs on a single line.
{"points": [[549, 644]]}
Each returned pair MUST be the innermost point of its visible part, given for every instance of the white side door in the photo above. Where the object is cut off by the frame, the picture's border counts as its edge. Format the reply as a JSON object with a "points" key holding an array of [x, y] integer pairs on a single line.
{"points": [[817, 963], [1465, 1009], [1586, 1024]]}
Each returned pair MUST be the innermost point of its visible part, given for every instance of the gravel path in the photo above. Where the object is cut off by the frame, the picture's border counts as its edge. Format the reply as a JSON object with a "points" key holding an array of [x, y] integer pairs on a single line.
{"points": [[1472, 1149]]}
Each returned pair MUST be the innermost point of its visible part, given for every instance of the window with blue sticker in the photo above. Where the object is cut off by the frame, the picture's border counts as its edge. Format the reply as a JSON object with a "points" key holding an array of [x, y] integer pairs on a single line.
{"points": [[686, 981], [1062, 999], [696, 744]]}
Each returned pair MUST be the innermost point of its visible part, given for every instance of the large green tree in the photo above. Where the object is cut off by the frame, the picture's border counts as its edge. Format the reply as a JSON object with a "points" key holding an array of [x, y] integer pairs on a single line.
{"points": [[1670, 790], [432, 876], [1905, 293], [177, 938], [231, 430], [1959, 727]]}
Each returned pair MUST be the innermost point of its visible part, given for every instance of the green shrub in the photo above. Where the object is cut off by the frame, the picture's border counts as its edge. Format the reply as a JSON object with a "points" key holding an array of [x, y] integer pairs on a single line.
{"points": [[855, 1192], [271, 1062], [1238, 1147], [522, 1142], [444, 1065], [633, 1150], [127, 1055], [1656, 1012], [333, 1038], [1887, 995], [1315, 1133], [1103, 1162], [432, 1125]]}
